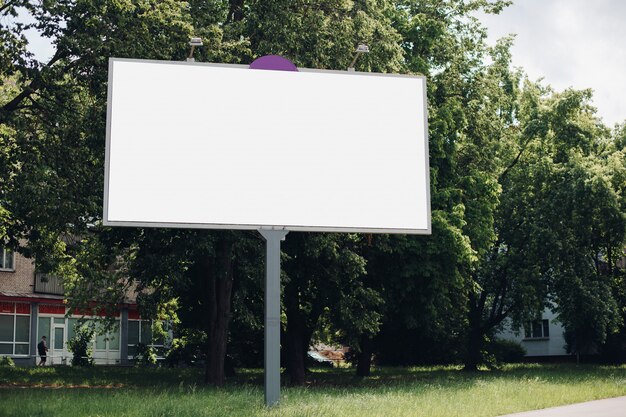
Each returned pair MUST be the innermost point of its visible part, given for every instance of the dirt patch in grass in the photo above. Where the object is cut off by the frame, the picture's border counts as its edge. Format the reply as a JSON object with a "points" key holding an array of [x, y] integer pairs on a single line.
{"points": [[62, 386]]}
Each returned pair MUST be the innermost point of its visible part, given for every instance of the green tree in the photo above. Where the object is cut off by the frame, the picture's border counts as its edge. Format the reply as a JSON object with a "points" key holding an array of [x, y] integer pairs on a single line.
{"points": [[425, 280], [482, 128], [587, 183], [559, 224], [321, 271], [80, 346], [198, 271], [53, 115], [472, 109]]}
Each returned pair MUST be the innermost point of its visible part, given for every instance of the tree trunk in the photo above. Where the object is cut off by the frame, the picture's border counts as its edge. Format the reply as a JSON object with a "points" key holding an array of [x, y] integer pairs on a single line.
{"points": [[294, 350], [364, 358], [220, 285], [235, 11], [475, 338], [474, 347]]}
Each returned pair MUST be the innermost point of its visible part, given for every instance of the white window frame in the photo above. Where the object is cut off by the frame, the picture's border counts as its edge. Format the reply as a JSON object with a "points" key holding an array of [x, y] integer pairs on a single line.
{"points": [[107, 351], [152, 345], [49, 336], [4, 256], [15, 314], [107, 338]]}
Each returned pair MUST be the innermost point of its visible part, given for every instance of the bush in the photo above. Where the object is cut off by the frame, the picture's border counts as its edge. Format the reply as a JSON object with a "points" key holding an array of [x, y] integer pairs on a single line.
{"points": [[7, 361], [146, 355], [506, 351], [613, 350], [80, 346], [187, 350]]}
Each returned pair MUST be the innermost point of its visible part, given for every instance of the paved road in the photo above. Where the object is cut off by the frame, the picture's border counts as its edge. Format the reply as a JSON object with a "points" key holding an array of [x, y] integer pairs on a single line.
{"points": [[612, 407]]}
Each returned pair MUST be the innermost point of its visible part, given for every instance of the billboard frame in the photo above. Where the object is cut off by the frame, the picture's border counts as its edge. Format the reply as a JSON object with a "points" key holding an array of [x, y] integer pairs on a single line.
{"points": [[295, 228]]}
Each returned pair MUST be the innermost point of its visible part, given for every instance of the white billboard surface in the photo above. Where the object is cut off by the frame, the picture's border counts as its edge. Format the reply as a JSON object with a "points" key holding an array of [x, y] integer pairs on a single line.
{"points": [[224, 146]]}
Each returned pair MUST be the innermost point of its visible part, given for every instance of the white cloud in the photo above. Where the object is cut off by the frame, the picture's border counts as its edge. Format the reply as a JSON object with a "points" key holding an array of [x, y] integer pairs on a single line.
{"points": [[570, 43]]}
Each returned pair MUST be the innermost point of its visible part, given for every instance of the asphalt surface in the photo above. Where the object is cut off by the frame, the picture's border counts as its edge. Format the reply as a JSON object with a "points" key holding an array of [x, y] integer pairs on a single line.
{"points": [[612, 407]]}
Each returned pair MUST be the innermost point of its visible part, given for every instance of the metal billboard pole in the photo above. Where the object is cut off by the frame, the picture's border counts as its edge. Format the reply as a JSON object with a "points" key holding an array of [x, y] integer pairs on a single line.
{"points": [[272, 314]]}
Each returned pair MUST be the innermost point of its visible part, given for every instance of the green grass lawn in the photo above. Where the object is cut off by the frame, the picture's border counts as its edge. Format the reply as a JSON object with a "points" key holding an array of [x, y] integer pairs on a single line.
{"points": [[435, 391]]}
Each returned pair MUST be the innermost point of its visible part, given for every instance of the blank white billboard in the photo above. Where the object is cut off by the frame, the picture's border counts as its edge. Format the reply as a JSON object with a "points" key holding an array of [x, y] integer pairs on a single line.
{"points": [[223, 146]]}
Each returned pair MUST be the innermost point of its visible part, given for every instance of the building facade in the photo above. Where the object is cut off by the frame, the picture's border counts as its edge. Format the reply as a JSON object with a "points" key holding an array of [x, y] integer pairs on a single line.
{"points": [[543, 337], [32, 305]]}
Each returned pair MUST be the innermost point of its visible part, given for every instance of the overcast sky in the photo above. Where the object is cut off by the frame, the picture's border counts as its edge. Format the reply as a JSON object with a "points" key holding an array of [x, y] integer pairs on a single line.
{"points": [[571, 43]]}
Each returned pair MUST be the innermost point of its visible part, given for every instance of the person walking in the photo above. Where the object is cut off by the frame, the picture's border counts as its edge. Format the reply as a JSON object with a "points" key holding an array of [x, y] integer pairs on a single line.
{"points": [[42, 347]]}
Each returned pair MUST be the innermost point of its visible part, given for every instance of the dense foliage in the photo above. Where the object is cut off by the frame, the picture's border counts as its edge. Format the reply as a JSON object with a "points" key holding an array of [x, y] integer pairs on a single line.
{"points": [[527, 184], [81, 346]]}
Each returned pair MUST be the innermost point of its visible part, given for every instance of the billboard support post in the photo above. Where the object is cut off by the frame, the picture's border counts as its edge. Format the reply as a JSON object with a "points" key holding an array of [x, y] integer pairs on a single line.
{"points": [[272, 314]]}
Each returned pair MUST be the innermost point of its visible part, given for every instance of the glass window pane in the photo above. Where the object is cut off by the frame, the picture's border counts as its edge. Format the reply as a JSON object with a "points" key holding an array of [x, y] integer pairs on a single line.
{"points": [[146, 333], [546, 328], [537, 328], [6, 328], [114, 339], [101, 343], [6, 348], [71, 328], [133, 332], [44, 328], [9, 260], [22, 328], [58, 338], [132, 351], [58, 320], [21, 349]]}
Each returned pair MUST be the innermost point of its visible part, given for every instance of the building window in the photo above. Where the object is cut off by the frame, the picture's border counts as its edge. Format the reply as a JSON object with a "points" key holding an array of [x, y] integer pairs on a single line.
{"points": [[140, 332], [108, 341], [103, 341], [14, 329], [537, 329], [7, 259]]}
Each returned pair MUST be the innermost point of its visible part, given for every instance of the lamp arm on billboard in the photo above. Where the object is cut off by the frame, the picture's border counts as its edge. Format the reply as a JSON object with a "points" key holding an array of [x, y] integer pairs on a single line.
{"points": [[193, 42], [361, 49]]}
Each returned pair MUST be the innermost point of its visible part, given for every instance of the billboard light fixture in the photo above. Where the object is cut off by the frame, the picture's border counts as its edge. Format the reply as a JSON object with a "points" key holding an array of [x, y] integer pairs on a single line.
{"points": [[361, 49], [193, 42]]}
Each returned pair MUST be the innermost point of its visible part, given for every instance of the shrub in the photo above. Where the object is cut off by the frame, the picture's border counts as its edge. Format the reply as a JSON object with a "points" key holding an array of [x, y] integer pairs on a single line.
{"points": [[146, 355], [613, 350], [188, 349], [506, 351], [80, 346], [7, 361]]}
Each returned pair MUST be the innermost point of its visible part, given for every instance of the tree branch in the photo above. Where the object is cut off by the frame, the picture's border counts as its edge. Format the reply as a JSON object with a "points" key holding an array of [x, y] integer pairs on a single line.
{"points": [[6, 6], [31, 88], [515, 160]]}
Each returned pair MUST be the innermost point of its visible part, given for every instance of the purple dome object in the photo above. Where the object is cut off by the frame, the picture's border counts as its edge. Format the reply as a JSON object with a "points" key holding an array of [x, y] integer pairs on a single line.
{"points": [[273, 62]]}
